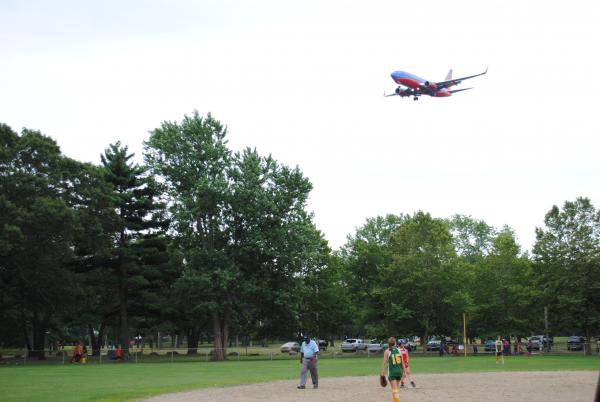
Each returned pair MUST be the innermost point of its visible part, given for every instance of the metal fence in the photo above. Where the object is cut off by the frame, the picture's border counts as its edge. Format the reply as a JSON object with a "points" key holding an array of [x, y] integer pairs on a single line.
{"points": [[206, 354]]}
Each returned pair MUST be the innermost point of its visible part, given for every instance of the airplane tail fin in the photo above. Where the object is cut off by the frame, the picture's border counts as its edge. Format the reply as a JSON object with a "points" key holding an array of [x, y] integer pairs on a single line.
{"points": [[449, 75]]}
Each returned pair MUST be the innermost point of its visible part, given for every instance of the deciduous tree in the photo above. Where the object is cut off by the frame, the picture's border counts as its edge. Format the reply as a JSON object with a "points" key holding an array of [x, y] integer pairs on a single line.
{"points": [[240, 223], [36, 237], [567, 257]]}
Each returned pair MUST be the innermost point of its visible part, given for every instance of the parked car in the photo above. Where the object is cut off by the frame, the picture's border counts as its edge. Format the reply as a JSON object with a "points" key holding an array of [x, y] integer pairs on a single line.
{"points": [[353, 344], [376, 346], [536, 342], [452, 342], [433, 345], [575, 342], [322, 344], [408, 344], [290, 347], [489, 345]]}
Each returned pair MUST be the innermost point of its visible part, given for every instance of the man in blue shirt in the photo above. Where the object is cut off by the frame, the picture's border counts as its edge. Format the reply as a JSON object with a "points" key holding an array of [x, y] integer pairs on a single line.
{"points": [[308, 358]]}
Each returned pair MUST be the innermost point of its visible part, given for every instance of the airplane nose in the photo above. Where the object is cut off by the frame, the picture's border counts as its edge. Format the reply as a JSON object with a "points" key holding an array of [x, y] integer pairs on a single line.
{"points": [[396, 76]]}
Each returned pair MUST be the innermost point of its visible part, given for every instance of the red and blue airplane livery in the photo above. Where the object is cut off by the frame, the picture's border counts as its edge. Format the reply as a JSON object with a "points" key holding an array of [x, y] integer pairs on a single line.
{"points": [[411, 85]]}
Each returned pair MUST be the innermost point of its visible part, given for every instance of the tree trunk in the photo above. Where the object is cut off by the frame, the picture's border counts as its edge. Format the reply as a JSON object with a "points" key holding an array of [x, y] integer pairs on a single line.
{"points": [[101, 342], [39, 337], [123, 293], [588, 341], [225, 327], [192, 338], [217, 344], [25, 331], [221, 333], [124, 333]]}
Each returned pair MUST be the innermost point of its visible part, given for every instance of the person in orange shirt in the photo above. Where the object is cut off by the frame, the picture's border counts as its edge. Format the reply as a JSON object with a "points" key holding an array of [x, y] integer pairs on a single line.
{"points": [[118, 353], [406, 368]]}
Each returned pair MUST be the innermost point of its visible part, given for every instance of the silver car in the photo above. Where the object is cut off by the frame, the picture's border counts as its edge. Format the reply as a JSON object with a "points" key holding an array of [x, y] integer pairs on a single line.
{"points": [[375, 346], [289, 347], [536, 342], [353, 344]]}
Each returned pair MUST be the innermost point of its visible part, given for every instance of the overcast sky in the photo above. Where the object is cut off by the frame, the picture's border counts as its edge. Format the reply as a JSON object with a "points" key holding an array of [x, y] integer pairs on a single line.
{"points": [[303, 81]]}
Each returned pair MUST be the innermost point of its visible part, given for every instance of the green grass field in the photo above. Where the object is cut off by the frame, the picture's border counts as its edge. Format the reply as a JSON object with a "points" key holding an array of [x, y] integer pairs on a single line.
{"points": [[126, 382]]}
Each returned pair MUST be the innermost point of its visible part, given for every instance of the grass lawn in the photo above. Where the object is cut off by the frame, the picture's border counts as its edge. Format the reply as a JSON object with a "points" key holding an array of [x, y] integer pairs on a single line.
{"points": [[128, 381]]}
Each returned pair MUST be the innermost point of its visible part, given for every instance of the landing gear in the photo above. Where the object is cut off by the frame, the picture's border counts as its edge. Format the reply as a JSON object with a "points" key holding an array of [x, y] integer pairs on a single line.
{"points": [[416, 98]]}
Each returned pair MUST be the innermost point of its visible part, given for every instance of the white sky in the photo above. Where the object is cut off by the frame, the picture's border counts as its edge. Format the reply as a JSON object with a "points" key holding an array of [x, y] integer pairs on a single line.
{"points": [[304, 81]]}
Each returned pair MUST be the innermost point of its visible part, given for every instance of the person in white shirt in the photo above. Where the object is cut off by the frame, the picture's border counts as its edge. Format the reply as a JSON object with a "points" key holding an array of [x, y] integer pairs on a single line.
{"points": [[308, 358]]}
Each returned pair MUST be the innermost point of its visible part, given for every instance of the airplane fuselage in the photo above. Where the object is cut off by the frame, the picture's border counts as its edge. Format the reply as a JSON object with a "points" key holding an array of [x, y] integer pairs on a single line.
{"points": [[415, 83]]}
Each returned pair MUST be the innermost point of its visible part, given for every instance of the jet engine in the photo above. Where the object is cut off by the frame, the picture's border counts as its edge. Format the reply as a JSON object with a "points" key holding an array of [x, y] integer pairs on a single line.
{"points": [[430, 85], [403, 92]]}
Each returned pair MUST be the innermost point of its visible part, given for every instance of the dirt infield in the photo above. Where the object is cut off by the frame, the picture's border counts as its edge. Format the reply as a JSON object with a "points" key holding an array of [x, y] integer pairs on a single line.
{"points": [[549, 386]]}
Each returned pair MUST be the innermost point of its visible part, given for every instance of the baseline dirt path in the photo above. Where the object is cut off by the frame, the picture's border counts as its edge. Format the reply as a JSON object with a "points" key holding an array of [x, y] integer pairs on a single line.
{"points": [[549, 386]]}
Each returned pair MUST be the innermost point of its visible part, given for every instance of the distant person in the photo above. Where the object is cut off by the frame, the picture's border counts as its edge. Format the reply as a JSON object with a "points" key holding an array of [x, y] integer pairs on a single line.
{"points": [[546, 344], [498, 347], [529, 347], [84, 354], [309, 351], [475, 350], [392, 366], [118, 353], [76, 353], [442, 346], [405, 367]]}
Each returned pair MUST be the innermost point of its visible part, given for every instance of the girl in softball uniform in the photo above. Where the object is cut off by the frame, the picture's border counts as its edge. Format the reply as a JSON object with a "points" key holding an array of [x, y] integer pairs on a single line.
{"points": [[392, 360]]}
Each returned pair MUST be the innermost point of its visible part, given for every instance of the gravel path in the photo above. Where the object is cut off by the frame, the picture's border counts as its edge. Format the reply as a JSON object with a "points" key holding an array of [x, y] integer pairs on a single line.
{"points": [[549, 386]]}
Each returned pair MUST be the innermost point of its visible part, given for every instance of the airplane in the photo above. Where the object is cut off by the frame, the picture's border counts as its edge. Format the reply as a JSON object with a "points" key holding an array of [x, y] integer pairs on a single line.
{"points": [[411, 85]]}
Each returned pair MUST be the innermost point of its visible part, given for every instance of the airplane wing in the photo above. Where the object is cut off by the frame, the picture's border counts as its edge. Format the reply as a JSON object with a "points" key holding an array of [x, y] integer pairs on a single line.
{"points": [[456, 81], [458, 90]]}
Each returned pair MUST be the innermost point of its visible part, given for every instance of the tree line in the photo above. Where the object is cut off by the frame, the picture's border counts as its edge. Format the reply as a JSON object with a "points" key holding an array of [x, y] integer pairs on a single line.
{"points": [[201, 241]]}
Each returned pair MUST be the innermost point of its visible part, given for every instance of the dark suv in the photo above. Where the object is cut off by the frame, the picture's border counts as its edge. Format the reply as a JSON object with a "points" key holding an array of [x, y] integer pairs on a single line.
{"points": [[575, 343]]}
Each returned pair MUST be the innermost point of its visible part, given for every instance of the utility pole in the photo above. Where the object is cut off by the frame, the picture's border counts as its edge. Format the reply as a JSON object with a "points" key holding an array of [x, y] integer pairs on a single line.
{"points": [[465, 333]]}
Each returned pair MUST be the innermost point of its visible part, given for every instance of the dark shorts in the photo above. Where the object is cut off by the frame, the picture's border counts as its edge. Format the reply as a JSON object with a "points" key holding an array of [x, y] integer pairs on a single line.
{"points": [[395, 378]]}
